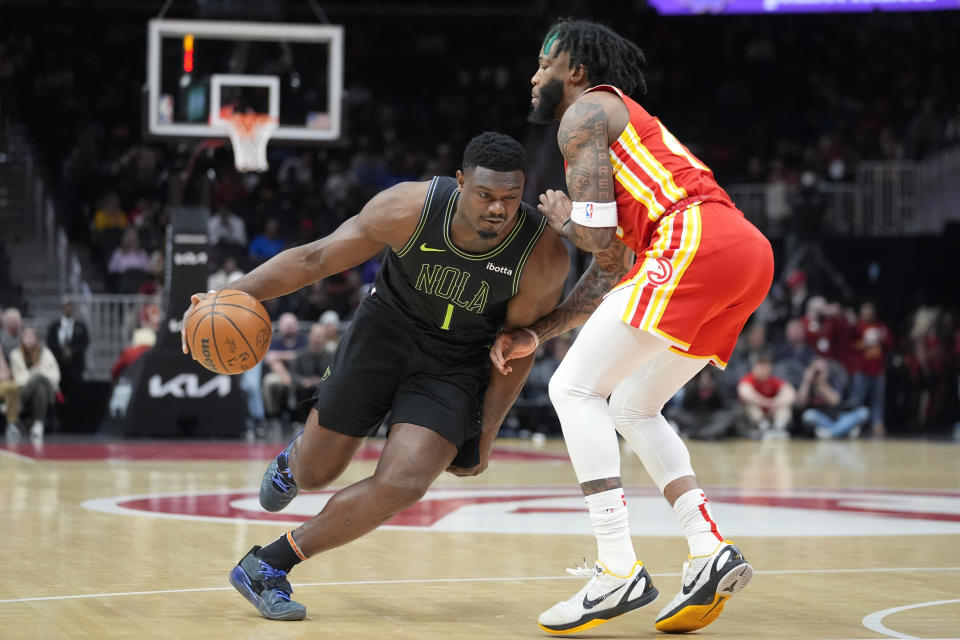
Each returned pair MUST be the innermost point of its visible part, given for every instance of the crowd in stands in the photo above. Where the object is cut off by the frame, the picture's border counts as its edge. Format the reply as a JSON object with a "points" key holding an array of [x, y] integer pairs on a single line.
{"points": [[827, 373], [807, 365], [36, 375], [833, 371], [772, 114]]}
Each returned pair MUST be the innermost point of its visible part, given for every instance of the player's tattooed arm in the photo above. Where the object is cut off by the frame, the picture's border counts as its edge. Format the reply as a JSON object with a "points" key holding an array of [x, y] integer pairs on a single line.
{"points": [[583, 141], [606, 269]]}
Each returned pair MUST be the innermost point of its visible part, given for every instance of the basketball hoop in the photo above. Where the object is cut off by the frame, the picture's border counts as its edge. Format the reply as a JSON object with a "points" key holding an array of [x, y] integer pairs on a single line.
{"points": [[249, 133]]}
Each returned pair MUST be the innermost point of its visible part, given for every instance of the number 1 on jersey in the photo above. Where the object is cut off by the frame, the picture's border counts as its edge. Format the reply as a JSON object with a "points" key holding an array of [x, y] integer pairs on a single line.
{"points": [[446, 321]]}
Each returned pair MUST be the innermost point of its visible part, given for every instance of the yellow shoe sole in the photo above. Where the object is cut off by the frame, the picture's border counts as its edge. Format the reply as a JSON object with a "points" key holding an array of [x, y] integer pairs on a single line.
{"points": [[693, 617], [586, 625]]}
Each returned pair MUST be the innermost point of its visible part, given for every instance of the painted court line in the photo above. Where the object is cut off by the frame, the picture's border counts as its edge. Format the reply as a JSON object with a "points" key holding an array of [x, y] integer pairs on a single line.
{"points": [[297, 584], [453, 580], [864, 570], [17, 456], [874, 621]]}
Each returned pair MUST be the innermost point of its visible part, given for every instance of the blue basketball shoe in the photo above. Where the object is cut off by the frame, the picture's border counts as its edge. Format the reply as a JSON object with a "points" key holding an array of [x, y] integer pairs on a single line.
{"points": [[266, 588], [278, 488]]}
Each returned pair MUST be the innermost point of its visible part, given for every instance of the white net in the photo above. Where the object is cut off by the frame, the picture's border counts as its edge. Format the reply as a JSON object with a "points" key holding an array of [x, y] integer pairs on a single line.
{"points": [[249, 134]]}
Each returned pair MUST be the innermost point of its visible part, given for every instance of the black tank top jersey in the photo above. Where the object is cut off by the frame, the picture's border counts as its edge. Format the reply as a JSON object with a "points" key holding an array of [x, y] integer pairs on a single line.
{"points": [[457, 297]]}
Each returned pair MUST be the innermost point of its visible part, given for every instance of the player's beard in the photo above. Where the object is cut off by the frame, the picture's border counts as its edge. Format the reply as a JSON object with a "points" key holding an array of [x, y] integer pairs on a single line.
{"points": [[551, 94]]}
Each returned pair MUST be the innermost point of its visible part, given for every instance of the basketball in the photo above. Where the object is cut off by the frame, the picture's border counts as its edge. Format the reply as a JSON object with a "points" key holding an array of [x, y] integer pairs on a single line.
{"points": [[229, 332]]}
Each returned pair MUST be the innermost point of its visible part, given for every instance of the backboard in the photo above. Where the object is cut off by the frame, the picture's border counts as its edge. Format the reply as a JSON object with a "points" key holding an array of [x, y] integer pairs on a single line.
{"points": [[200, 70]]}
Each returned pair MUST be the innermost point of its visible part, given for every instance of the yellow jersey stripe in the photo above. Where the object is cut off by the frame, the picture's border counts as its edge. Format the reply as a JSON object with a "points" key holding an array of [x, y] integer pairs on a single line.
{"points": [[715, 358], [639, 153], [657, 301], [689, 243], [677, 342], [690, 250], [674, 145], [638, 283], [635, 187], [666, 230]]}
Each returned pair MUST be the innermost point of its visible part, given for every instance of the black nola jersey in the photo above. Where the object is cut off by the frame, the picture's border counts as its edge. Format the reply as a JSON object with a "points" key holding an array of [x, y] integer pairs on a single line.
{"points": [[455, 296]]}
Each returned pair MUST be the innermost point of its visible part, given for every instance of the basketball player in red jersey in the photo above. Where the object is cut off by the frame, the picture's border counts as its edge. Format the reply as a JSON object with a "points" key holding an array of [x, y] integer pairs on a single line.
{"points": [[700, 271]]}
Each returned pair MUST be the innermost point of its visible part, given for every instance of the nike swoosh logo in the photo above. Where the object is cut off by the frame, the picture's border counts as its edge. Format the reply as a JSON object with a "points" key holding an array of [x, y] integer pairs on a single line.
{"points": [[687, 588], [424, 247], [589, 603]]}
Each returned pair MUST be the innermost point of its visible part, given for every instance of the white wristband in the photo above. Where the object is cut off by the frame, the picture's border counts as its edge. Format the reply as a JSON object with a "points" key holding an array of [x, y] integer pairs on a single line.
{"points": [[594, 214], [536, 338]]}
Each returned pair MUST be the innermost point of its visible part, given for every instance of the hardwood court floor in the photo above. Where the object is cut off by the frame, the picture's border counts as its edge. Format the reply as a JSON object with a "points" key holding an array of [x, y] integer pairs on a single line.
{"points": [[849, 540]]}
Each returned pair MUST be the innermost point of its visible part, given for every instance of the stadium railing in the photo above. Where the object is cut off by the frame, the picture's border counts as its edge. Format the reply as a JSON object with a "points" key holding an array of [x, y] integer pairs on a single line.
{"points": [[111, 320], [888, 199]]}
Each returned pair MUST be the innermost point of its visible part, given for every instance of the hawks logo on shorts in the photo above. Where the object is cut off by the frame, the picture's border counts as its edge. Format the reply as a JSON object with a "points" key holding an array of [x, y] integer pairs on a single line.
{"points": [[674, 247], [659, 272], [692, 294]]}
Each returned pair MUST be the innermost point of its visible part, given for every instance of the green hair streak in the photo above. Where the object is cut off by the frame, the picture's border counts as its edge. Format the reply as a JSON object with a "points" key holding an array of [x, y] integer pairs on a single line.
{"points": [[548, 42]]}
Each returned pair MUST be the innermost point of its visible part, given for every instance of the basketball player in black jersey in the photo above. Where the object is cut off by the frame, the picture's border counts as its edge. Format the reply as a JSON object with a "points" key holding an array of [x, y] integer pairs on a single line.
{"points": [[465, 258]]}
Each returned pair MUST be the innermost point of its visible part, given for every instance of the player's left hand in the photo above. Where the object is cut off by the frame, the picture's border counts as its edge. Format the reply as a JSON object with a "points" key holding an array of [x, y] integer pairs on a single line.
{"points": [[195, 299], [556, 206], [463, 472], [485, 446], [509, 345]]}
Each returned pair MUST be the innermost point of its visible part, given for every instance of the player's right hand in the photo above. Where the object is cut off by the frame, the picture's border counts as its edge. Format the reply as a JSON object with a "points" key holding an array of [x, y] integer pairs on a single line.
{"points": [[555, 206], [517, 343], [195, 299]]}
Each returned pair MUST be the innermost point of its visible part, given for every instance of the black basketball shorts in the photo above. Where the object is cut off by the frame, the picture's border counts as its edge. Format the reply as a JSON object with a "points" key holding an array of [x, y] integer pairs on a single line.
{"points": [[384, 365]]}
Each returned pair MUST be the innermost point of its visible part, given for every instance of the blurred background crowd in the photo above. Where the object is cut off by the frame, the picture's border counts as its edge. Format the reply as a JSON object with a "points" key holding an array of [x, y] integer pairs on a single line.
{"points": [[858, 336]]}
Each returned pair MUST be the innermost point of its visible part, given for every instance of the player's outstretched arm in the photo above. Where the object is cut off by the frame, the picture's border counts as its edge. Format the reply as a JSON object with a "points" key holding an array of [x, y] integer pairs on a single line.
{"points": [[389, 218], [540, 288], [588, 217], [606, 269]]}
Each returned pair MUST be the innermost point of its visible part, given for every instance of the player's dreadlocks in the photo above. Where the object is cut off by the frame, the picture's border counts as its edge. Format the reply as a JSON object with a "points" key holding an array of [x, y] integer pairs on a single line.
{"points": [[494, 151], [608, 57]]}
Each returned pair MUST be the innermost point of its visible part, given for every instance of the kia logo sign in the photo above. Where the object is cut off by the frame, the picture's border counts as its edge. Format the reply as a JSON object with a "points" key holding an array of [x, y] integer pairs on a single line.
{"points": [[187, 385]]}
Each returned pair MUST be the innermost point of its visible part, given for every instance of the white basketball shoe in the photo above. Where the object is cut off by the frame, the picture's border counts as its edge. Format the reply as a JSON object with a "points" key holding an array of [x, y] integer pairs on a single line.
{"points": [[604, 597], [708, 582]]}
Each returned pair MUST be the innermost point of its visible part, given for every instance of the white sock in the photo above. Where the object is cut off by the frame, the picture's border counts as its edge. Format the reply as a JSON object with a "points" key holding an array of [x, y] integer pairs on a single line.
{"points": [[693, 512], [611, 526]]}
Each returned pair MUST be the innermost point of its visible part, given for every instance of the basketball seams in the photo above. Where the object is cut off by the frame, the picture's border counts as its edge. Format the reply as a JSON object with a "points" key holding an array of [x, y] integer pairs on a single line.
{"points": [[210, 310], [194, 336], [216, 299], [213, 335], [237, 292], [246, 308], [231, 295], [233, 324]]}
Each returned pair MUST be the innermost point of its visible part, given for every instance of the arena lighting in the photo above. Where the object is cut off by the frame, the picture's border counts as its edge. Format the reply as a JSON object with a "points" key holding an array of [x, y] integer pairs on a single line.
{"points": [[696, 7], [188, 53]]}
